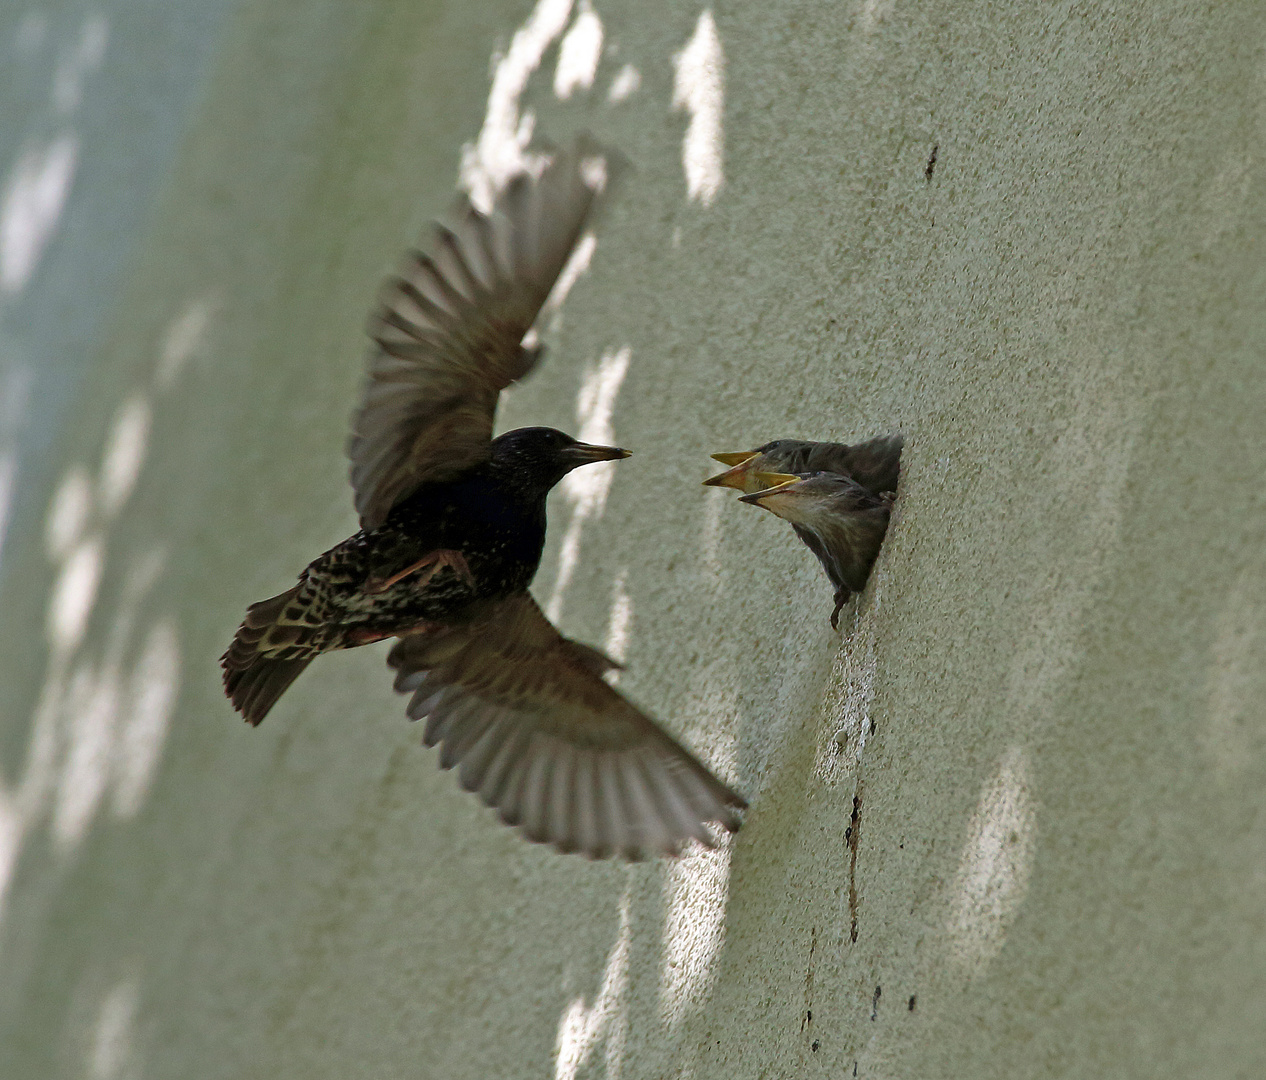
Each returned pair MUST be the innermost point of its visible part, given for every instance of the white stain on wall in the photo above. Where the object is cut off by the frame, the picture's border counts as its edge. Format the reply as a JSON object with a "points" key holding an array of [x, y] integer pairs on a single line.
{"points": [[872, 15], [841, 743], [699, 88]]}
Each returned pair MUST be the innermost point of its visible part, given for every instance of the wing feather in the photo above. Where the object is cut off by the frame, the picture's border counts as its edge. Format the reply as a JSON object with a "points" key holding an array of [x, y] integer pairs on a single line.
{"points": [[549, 744], [449, 331]]}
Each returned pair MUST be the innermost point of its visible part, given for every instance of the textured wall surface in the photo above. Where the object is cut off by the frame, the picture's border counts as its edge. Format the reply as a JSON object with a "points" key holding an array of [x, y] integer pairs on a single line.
{"points": [[1007, 823]]}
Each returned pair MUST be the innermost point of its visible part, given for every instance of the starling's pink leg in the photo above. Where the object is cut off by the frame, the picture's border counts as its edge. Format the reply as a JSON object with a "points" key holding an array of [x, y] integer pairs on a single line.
{"points": [[430, 565]]}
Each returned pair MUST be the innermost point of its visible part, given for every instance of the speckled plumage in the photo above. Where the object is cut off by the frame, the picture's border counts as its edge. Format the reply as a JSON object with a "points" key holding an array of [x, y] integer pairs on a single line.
{"points": [[452, 529]]}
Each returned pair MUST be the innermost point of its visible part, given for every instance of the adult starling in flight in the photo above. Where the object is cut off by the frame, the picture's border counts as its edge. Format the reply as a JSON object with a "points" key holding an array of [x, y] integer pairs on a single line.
{"points": [[452, 530], [837, 498]]}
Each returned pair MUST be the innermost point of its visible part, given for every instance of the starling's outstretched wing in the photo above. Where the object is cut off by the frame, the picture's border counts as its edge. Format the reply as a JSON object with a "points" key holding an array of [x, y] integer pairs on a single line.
{"points": [[540, 736], [449, 331]]}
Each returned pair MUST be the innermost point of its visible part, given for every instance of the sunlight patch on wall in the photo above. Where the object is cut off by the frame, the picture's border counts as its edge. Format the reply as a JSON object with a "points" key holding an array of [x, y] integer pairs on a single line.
{"points": [[186, 335], [8, 486], [576, 265], [152, 691], [619, 624], [124, 454], [696, 890], [587, 488], [699, 88], [579, 54], [112, 1053], [74, 595], [91, 711], [500, 151], [39, 184], [32, 206], [78, 62], [99, 727], [1233, 735], [68, 513], [625, 84], [994, 869], [583, 1027], [15, 396]]}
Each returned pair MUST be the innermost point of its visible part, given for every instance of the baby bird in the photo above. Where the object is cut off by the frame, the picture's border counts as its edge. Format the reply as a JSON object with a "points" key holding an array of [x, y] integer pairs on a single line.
{"points": [[841, 522], [874, 464], [837, 498]]}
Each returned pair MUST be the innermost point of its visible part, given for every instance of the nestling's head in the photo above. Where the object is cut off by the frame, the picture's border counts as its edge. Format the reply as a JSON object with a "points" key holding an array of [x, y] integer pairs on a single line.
{"points": [[539, 457], [813, 500], [747, 465]]}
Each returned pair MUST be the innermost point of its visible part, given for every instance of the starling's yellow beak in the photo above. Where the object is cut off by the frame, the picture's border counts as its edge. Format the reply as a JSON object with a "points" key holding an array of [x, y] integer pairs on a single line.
{"points": [[735, 477], [772, 483], [734, 459]]}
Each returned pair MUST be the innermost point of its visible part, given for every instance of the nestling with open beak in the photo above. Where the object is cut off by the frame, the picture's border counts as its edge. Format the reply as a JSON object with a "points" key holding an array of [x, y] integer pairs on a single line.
{"points": [[841, 522], [452, 526], [874, 464], [836, 496]]}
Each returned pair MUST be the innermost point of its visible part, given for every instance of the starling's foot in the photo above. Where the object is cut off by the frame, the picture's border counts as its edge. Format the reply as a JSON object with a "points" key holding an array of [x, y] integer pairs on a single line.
{"points": [[430, 566], [888, 496], [841, 598]]}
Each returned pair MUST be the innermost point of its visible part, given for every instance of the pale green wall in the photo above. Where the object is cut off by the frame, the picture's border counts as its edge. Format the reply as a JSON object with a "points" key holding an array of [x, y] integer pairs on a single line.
{"points": [[1050, 707]]}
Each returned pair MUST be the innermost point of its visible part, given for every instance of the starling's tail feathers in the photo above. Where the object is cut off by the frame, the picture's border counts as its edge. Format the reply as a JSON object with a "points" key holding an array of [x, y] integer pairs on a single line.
{"points": [[268, 652], [255, 689]]}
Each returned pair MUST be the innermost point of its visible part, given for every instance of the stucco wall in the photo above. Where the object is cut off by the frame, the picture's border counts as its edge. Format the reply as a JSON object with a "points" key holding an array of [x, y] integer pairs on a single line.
{"points": [[1007, 823]]}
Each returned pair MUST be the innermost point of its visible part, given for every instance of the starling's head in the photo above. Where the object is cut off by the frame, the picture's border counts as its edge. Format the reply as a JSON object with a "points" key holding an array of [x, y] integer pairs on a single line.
{"points": [[813, 500], [539, 457], [746, 465]]}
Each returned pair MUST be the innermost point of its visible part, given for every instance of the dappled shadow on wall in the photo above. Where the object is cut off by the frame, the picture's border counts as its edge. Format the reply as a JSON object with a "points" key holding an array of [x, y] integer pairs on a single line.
{"points": [[106, 701]]}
